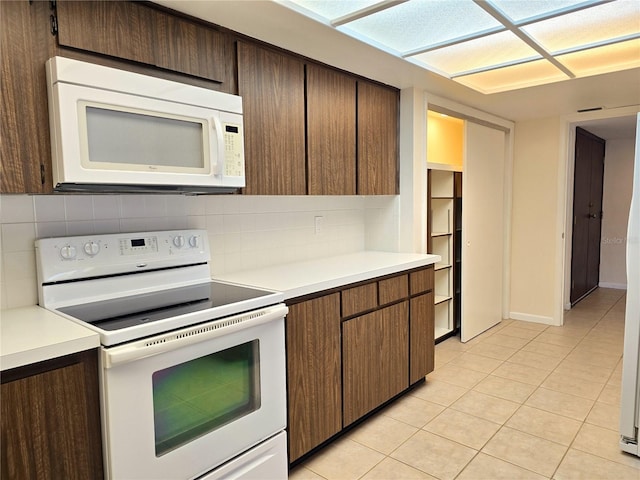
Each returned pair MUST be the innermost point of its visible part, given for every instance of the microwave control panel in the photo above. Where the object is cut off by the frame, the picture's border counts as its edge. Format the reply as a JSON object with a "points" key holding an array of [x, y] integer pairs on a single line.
{"points": [[233, 150]]}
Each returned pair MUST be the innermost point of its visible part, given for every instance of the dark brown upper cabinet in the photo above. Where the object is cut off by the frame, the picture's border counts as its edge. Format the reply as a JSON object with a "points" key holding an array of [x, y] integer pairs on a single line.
{"points": [[141, 33], [346, 127], [25, 149], [309, 128], [272, 88], [377, 139], [331, 131]]}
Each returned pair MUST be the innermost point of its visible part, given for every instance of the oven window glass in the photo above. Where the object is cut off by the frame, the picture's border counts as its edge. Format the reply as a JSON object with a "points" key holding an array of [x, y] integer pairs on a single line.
{"points": [[199, 396]]}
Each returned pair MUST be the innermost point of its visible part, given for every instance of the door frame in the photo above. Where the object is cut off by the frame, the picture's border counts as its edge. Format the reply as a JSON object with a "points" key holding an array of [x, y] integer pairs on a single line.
{"points": [[593, 140], [564, 219], [471, 114]]}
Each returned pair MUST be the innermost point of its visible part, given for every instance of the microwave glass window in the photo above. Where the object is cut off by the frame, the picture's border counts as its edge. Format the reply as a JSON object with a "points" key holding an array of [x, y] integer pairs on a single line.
{"points": [[137, 139], [199, 396]]}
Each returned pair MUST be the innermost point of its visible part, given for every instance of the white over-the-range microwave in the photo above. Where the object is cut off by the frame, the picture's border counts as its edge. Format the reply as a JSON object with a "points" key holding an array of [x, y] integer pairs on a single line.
{"points": [[119, 131]]}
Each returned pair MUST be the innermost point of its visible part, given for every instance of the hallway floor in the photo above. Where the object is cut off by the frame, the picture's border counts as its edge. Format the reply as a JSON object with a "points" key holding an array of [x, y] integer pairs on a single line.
{"points": [[521, 401]]}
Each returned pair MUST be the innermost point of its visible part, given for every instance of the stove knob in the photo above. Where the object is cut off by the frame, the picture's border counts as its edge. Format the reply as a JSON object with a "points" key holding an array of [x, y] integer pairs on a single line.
{"points": [[68, 252], [194, 241], [91, 248], [178, 241]]}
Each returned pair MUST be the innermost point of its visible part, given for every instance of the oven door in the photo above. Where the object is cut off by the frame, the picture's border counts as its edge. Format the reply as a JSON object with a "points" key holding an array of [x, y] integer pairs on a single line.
{"points": [[178, 405]]}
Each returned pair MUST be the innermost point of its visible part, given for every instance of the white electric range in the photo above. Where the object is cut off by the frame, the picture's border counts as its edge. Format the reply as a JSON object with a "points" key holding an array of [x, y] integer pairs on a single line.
{"points": [[192, 370]]}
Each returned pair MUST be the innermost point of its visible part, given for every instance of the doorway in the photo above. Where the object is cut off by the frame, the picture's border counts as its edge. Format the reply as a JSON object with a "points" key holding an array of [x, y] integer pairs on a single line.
{"points": [[587, 214]]}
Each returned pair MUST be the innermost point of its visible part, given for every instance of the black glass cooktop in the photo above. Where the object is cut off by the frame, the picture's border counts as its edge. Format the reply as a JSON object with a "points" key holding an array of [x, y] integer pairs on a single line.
{"points": [[124, 312]]}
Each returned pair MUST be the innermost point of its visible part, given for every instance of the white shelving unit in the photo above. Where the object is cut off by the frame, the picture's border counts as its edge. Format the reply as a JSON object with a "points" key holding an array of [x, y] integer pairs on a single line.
{"points": [[442, 229]]}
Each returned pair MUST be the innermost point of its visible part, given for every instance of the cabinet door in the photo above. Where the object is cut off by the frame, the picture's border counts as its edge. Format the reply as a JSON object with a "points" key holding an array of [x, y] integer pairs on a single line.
{"points": [[421, 336], [118, 29], [131, 31], [331, 131], [51, 423], [25, 45], [377, 139], [313, 373], [188, 47], [272, 88], [375, 359]]}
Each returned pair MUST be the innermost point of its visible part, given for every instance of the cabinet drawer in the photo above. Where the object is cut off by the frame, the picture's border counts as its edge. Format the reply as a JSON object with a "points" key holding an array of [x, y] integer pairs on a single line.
{"points": [[359, 299], [393, 289], [421, 281]]}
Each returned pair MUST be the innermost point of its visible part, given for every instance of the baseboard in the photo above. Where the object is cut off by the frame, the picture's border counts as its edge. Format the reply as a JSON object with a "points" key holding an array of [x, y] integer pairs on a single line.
{"points": [[527, 317], [619, 286]]}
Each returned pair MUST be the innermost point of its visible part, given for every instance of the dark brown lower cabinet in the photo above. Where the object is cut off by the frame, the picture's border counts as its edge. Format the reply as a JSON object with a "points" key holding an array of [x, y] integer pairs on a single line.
{"points": [[421, 337], [375, 351], [51, 420], [313, 373], [352, 349]]}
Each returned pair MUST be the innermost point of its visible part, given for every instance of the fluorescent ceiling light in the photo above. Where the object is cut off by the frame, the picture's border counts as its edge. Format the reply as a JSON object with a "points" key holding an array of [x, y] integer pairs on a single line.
{"points": [[493, 45]]}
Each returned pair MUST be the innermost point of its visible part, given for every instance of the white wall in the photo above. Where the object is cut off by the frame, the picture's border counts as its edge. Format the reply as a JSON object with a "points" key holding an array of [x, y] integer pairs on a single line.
{"points": [[534, 231], [618, 176], [244, 231], [413, 172]]}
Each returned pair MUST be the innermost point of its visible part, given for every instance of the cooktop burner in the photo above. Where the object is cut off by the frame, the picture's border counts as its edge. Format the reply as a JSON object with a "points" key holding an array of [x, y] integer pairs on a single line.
{"points": [[119, 313]]}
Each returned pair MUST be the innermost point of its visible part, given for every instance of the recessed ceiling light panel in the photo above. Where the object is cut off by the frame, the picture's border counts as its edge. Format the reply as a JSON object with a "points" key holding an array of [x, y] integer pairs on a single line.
{"points": [[520, 10], [610, 58], [529, 74], [480, 53], [499, 46], [421, 23], [589, 26]]}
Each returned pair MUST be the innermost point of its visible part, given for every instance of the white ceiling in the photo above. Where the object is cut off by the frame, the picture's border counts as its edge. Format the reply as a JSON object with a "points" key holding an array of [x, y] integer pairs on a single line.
{"points": [[276, 24], [612, 128]]}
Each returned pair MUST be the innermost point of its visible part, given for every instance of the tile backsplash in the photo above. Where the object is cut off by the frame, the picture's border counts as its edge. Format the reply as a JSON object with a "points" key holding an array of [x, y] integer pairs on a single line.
{"points": [[244, 231]]}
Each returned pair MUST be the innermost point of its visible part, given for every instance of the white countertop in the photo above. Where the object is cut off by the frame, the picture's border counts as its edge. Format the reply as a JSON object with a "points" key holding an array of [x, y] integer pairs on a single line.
{"points": [[33, 334], [303, 278]]}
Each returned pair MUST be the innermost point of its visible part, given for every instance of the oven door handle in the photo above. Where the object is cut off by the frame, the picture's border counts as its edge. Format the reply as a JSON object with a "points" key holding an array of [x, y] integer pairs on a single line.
{"points": [[184, 337]]}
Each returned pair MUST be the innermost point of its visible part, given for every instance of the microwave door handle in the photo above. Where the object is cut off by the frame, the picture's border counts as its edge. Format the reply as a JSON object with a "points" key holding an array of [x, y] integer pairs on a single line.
{"points": [[217, 125]]}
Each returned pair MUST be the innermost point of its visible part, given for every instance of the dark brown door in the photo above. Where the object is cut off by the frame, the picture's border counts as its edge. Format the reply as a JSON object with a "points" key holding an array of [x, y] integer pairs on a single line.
{"points": [[587, 214], [271, 85], [313, 373], [377, 135], [331, 132], [375, 354]]}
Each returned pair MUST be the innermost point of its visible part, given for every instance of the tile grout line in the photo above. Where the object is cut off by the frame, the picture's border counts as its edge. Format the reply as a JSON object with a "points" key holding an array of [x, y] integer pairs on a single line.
{"points": [[595, 327], [596, 401], [568, 447], [587, 415]]}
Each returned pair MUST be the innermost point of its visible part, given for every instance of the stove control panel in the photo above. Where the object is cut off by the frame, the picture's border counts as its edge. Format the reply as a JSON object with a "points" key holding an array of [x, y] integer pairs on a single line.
{"points": [[70, 258], [139, 245]]}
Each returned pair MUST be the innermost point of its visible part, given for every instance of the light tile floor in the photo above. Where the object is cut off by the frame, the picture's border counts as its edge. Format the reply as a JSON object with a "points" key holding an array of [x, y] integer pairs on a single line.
{"points": [[521, 401]]}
